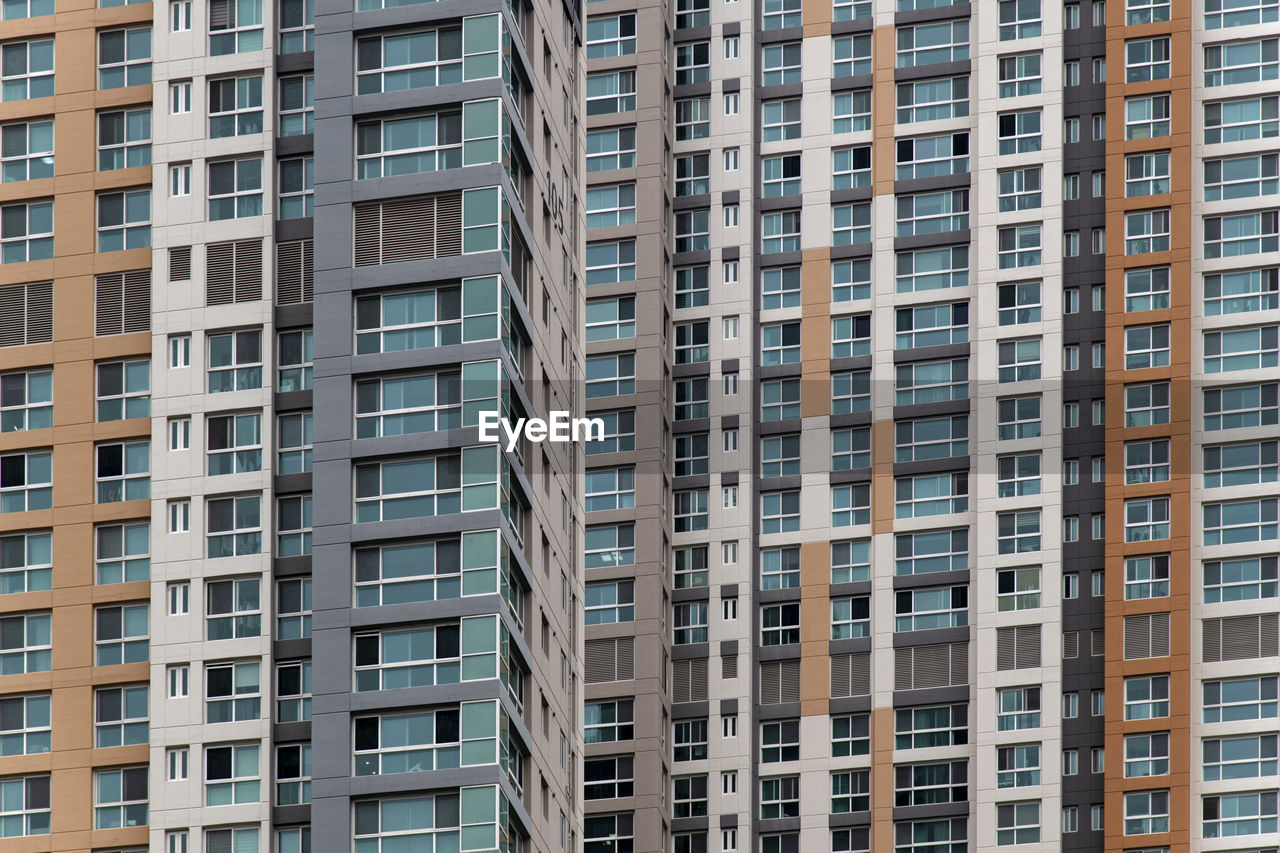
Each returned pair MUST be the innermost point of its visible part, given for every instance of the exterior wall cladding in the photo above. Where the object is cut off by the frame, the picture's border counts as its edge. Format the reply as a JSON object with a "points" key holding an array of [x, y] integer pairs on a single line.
{"points": [[246, 335]]}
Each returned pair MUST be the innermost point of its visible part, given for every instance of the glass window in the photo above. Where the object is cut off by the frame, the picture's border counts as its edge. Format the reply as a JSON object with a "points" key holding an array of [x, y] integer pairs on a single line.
{"points": [[26, 400], [1148, 59], [852, 55], [296, 108], [1146, 519], [122, 634], [612, 148], [25, 729], [26, 564], [234, 526], [124, 140], [235, 361], [1018, 589], [610, 92], [235, 106], [297, 26], [26, 643], [927, 44], [608, 602], [122, 553], [232, 692], [1240, 406], [1019, 19], [235, 26], [231, 775], [931, 100], [1017, 823], [1146, 697], [1020, 75], [293, 774], [120, 798], [1017, 708], [611, 35], [124, 220], [931, 551], [235, 189], [1019, 133], [1239, 521], [293, 692], [120, 716], [26, 151], [124, 58], [1239, 579], [18, 9], [1241, 349], [1147, 117], [26, 481], [693, 115], [1239, 699]]}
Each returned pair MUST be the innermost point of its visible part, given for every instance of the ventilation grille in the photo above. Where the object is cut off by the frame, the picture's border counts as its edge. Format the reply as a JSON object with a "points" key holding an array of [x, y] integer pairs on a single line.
{"points": [[779, 682], [1146, 635], [1097, 642], [729, 666], [689, 680], [851, 674], [122, 303], [923, 667], [1240, 637], [180, 263], [1018, 647], [233, 272], [609, 660], [26, 314], [408, 229], [294, 272], [1070, 644]]}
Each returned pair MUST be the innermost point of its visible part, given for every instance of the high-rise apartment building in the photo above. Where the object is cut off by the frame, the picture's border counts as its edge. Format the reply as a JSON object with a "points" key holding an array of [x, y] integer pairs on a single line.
{"points": [[844, 584], [1006, 578], [264, 267]]}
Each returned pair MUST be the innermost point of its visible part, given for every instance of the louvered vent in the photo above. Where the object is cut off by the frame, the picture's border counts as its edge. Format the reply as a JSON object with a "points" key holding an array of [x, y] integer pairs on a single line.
{"points": [[923, 667], [294, 267], [689, 680], [609, 660], [1146, 635], [1097, 642], [779, 682], [1240, 637], [1018, 647], [408, 229], [122, 302], [40, 312], [248, 270], [180, 263], [1070, 644], [729, 666], [851, 674], [26, 314], [233, 272]]}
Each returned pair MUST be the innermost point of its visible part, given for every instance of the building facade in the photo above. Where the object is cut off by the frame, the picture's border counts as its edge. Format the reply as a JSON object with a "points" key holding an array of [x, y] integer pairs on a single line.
{"points": [[828, 581], [979, 583], [231, 449]]}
